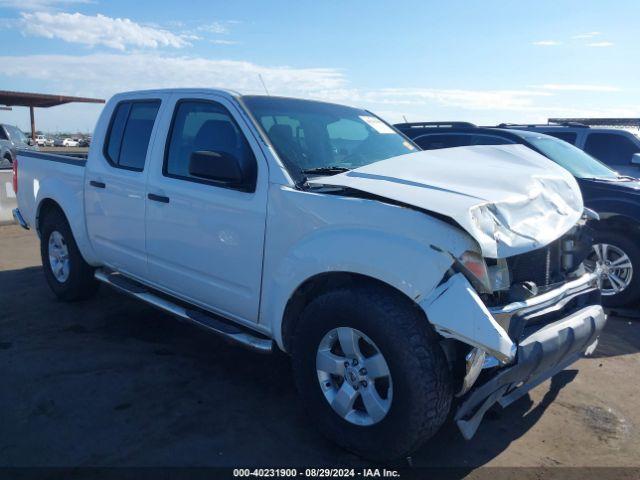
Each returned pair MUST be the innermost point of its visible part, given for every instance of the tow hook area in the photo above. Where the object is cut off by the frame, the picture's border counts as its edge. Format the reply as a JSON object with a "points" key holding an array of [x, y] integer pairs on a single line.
{"points": [[456, 311], [476, 361]]}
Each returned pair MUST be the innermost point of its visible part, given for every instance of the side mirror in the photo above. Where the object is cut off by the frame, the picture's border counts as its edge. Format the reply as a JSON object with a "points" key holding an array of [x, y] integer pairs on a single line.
{"points": [[217, 166], [30, 142], [635, 159]]}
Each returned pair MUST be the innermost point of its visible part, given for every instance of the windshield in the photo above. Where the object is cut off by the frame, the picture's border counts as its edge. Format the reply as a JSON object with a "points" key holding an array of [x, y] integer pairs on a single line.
{"points": [[322, 138], [579, 163], [16, 134]]}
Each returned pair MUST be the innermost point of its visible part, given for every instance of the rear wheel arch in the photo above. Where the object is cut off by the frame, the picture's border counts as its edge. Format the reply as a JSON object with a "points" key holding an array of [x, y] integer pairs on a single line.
{"points": [[45, 208]]}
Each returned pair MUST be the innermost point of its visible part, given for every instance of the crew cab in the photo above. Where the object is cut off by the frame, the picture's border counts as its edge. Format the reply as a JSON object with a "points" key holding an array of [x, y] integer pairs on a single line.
{"points": [[404, 284]]}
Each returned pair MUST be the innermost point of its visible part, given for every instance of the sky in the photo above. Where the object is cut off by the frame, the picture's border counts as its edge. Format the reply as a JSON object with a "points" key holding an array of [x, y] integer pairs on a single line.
{"points": [[481, 61]]}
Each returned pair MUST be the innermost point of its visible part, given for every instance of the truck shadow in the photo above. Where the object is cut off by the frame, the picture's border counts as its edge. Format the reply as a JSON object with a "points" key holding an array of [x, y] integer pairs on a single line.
{"points": [[499, 429], [160, 393], [621, 336]]}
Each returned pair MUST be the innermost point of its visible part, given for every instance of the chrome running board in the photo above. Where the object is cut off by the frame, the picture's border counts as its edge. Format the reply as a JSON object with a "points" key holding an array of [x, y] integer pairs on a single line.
{"points": [[202, 319]]}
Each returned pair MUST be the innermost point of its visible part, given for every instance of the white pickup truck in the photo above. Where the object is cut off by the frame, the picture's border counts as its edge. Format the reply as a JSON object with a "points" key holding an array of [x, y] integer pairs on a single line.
{"points": [[404, 284]]}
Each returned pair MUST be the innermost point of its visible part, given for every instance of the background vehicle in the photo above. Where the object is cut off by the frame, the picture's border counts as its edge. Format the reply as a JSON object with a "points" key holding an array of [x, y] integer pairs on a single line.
{"points": [[614, 197], [41, 140], [11, 138], [381, 269], [617, 148], [70, 142]]}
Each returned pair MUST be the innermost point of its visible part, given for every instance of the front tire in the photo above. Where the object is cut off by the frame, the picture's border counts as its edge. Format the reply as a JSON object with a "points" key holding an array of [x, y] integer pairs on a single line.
{"points": [[619, 256], [371, 372], [67, 273]]}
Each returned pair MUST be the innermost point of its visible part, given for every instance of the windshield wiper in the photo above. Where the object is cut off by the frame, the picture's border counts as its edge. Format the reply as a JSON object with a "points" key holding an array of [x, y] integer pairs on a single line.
{"points": [[330, 170]]}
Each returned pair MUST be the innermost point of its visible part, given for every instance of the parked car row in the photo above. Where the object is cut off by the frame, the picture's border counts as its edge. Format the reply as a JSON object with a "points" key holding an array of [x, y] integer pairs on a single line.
{"points": [[70, 142], [615, 197], [405, 284], [12, 138]]}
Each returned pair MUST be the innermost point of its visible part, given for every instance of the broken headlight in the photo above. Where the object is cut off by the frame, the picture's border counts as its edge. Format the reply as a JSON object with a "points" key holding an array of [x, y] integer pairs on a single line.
{"points": [[485, 278]]}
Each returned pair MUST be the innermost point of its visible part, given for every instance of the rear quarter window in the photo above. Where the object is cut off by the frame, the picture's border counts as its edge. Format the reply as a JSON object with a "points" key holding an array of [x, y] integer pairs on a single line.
{"points": [[569, 137]]}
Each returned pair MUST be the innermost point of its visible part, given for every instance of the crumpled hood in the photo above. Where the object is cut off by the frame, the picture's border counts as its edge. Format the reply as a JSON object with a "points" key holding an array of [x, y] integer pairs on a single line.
{"points": [[508, 197]]}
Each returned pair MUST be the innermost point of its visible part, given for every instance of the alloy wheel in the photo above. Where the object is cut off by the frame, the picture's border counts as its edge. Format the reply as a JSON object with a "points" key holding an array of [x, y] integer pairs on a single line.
{"points": [[354, 376], [616, 269], [59, 257]]}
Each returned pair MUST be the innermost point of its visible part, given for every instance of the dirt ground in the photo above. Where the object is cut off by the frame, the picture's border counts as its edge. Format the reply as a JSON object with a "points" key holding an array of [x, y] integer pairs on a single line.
{"points": [[111, 381]]}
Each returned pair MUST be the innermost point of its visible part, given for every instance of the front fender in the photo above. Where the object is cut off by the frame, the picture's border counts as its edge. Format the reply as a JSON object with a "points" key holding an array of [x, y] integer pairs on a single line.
{"points": [[310, 234], [456, 311]]}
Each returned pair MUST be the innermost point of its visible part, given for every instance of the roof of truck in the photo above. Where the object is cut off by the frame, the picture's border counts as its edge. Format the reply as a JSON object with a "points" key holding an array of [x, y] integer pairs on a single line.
{"points": [[223, 91]]}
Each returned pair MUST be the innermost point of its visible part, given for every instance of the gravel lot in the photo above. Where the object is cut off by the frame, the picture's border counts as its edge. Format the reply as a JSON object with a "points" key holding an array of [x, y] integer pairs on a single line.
{"points": [[111, 381]]}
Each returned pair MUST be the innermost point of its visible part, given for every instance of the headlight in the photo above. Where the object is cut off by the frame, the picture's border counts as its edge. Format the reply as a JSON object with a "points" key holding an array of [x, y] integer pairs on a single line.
{"points": [[475, 269]]}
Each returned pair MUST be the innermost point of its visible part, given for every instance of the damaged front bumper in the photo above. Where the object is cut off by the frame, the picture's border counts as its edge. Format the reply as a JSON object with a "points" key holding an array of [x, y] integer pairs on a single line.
{"points": [[533, 339]]}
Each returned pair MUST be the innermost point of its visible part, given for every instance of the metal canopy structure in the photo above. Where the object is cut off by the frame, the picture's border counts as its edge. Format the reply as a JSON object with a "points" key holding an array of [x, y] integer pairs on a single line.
{"points": [[592, 122], [39, 100]]}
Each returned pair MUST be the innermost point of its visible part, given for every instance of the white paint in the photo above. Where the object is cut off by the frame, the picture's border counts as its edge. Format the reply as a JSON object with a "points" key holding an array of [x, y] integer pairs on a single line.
{"points": [[8, 187], [456, 299], [508, 197]]}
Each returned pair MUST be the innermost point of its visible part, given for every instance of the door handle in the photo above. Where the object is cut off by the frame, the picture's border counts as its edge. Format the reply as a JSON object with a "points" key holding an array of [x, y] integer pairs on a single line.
{"points": [[93, 183], [158, 198]]}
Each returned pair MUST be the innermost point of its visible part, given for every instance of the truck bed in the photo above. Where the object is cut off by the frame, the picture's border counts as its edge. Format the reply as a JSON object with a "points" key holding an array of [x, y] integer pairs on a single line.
{"points": [[50, 176], [73, 158]]}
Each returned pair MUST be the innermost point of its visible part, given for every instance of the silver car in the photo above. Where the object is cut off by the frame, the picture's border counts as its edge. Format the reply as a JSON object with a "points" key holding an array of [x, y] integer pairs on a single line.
{"points": [[11, 139]]}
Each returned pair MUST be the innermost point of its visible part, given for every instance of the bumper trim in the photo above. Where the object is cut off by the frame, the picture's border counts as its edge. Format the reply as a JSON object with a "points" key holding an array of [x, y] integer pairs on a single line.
{"points": [[20, 219], [552, 298], [540, 356]]}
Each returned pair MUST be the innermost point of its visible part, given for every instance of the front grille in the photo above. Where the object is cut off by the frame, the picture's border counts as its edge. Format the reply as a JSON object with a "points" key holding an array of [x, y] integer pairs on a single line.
{"points": [[542, 266]]}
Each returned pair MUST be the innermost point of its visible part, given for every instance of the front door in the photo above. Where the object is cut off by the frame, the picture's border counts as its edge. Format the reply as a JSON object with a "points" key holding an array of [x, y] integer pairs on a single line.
{"points": [[205, 238]]}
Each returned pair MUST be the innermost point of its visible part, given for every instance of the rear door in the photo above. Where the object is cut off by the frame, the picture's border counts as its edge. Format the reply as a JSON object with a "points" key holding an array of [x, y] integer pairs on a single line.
{"points": [[115, 186], [205, 238]]}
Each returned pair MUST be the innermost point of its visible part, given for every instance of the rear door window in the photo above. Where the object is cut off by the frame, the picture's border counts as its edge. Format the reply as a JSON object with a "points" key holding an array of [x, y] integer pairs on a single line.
{"points": [[130, 133], [611, 148], [569, 137], [489, 140]]}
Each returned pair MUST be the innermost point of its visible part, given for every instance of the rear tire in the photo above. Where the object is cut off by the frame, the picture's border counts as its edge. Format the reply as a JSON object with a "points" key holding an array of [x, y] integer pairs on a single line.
{"points": [[421, 381], [67, 273]]}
